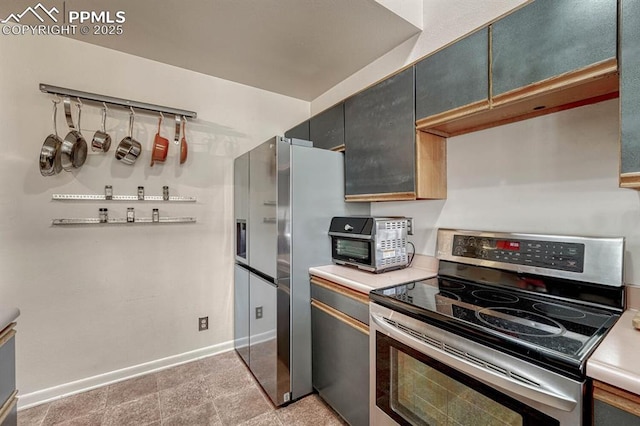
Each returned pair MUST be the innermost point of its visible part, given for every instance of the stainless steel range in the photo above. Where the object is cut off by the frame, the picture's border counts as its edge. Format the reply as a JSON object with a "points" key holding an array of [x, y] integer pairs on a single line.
{"points": [[501, 336]]}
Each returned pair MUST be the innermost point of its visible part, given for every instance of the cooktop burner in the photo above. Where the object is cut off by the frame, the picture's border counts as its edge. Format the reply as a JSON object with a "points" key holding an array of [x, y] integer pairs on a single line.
{"points": [[495, 296], [519, 323]]}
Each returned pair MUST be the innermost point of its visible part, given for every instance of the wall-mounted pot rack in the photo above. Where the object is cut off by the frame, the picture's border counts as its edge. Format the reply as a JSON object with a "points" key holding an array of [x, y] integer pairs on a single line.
{"points": [[122, 221], [118, 102]]}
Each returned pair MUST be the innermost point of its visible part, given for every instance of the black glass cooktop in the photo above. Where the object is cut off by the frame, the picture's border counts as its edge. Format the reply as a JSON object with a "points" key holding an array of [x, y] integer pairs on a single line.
{"points": [[536, 325]]}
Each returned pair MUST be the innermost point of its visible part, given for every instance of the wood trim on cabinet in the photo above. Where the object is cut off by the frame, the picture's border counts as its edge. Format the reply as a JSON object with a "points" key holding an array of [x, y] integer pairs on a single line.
{"points": [[557, 83], [8, 406], [7, 334], [431, 166], [331, 286], [391, 196], [617, 397], [455, 114], [339, 148], [630, 180], [363, 328], [592, 84]]}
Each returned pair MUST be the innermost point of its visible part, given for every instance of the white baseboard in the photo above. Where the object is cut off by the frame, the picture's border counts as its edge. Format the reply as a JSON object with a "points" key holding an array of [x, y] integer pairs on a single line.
{"points": [[67, 389]]}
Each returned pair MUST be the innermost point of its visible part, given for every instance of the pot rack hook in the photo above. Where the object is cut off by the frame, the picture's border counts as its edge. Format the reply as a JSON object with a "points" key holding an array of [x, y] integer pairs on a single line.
{"points": [[104, 104], [55, 111], [79, 102], [132, 111]]}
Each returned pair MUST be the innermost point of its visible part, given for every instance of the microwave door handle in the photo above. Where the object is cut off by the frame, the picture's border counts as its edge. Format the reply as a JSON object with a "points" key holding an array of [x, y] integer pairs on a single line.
{"points": [[545, 396]]}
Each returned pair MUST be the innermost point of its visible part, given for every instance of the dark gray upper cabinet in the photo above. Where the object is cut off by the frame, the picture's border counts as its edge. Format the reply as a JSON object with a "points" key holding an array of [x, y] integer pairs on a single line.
{"points": [[630, 91], [456, 76], [326, 129], [550, 37], [380, 155], [301, 131]]}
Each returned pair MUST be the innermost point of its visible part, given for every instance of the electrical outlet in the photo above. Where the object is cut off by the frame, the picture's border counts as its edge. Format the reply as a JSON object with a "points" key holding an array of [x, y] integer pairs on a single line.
{"points": [[259, 312], [203, 323]]}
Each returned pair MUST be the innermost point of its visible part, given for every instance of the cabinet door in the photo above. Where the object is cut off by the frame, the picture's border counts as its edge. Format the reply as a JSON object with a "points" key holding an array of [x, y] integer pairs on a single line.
{"points": [[241, 312], [606, 415], [454, 77], [341, 365], [301, 131], [548, 38], [630, 92], [614, 406], [326, 130], [380, 149]]}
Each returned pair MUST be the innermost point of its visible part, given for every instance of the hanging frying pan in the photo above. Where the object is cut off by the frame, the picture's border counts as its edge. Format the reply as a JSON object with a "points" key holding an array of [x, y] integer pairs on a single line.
{"points": [[50, 153], [73, 150]]}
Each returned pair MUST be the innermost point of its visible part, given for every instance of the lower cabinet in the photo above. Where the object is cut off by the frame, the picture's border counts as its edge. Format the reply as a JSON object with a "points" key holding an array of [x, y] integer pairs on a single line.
{"points": [[8, 392], [340, 337], [614, 406]]}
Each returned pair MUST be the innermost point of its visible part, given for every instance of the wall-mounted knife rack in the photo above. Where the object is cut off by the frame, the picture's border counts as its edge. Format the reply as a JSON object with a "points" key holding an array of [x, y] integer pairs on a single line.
{"points": [[118, 102], [96, 197], [108, 196], [122, 221]]}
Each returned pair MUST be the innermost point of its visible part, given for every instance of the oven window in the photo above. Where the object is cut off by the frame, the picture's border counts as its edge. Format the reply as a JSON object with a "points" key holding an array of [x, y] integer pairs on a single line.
{"points": [[429, 397], [414, 389], [352, 249]]}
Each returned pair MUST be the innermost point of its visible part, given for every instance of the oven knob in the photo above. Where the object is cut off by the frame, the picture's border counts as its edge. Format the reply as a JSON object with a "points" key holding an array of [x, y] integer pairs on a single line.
{"points": [[458, 251], [471, 241], [483, 254], [348, 228]]}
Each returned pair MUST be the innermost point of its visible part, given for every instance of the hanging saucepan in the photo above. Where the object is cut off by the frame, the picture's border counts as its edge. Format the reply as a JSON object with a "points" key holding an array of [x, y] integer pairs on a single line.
{"points": [[160, 145], [183, 142], [73, 150], [101, 140], [50, 153], [129, 149]]}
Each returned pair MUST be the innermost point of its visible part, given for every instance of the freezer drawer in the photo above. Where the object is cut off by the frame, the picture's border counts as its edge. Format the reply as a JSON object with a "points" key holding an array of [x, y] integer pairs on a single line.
{"points": [[241, 312], [263, 341]]}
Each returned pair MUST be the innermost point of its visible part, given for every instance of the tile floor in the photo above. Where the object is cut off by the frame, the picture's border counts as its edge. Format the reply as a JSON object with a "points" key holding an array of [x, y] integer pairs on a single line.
{"points": [[216, 391]]}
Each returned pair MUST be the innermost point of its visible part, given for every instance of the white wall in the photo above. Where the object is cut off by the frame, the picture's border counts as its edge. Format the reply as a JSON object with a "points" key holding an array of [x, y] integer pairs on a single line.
{"points": [[96, 300], [554, 174]]}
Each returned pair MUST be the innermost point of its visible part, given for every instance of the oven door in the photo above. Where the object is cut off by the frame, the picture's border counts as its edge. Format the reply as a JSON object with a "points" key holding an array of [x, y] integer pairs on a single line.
{"points": [[422, 375], [353, 251]]}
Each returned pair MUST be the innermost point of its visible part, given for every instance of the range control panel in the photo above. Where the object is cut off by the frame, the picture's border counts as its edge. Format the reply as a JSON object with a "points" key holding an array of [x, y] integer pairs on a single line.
{"points": [[543, 254]]}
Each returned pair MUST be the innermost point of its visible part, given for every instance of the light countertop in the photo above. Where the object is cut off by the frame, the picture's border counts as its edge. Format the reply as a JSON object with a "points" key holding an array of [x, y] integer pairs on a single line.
{"points": [[421, 268], [615, 360], [7, 316]]}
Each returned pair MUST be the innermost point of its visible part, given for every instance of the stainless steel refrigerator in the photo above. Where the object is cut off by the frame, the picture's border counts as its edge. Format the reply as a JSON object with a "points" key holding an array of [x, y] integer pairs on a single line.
{"points": [[285, 194]]}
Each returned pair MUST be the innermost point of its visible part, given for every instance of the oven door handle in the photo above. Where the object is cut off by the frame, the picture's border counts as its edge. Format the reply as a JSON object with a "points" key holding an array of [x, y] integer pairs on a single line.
{"points": [[549, 397]]}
